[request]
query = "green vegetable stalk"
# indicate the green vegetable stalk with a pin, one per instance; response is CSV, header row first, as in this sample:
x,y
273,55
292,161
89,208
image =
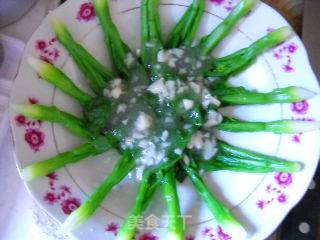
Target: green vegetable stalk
x,y
42,168
148,185
242,59
88,208
241,96
237,152
209,42
97,74
118,50
150,181
224,162
184,32
222,215
151,40
279,127
56,77
54,115
169,186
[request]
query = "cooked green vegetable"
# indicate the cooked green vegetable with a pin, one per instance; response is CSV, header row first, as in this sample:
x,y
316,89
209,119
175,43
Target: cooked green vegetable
x,y
150,181
151,39
118,50
59,79
231,163
148,185
242,96
176,228
40,169
97,74
184,32
88,208
97,113
222,215
210,41
237,152
280,126
242,59
54,115
242,160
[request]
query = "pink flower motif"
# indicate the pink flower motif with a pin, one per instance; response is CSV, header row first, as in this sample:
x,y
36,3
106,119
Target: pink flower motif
x,y
35,138
222,235
284,179
56,54
268,188
190,237
296,139
217,2
282,198
69,205
285,52
229,8
148,236
53,40
308,119
41,45
277,55
21,120
113,228
288,68
52,176
47,52
46,59
86,12
51,198
292,48
206,231
270,29
65,189
33,100
260,204
300,107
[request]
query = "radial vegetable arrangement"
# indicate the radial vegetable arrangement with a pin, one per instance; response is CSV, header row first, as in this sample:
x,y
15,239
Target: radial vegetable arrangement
x,y
159,108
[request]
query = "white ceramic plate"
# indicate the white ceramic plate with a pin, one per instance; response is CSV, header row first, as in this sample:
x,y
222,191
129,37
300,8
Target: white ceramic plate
x,y
259,201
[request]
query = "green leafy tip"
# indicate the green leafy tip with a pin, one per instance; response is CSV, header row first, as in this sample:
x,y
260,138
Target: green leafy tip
x,y
60,28
41,67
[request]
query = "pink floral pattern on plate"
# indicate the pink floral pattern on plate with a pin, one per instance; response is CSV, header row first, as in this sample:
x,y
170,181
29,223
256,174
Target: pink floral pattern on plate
x,y
60,194
211,233
86,12
113,228
191,237
148,236
284,53
226,4
33,136
300,109
276,191
47,50
297,138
